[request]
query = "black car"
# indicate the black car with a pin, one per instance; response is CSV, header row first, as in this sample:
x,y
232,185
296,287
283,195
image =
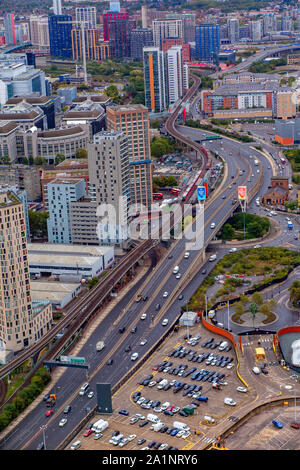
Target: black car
x,y
121,330
133,330
183,413
157,307
143,423
164,429
264,370
46,397
41,446
203,271
115,433
127,349
151,444
145,298
180,297
109,362
67,409
167,387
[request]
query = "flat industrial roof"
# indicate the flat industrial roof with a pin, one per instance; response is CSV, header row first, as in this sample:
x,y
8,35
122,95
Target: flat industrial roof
x,y
52,290
67,250
59,259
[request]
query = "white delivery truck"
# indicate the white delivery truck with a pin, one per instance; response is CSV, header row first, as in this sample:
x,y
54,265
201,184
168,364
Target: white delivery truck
x,y
100,345
162,384
96,424
181,426
102,426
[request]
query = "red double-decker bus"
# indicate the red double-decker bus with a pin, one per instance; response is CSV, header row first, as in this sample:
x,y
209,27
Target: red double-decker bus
x,y
158,196
175,191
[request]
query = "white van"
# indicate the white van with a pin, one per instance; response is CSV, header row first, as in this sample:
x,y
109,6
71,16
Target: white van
x,y
83,389
187,254
75,445
212,257
176,270
181,426
96,424
162,384
152,418
134,356
223,345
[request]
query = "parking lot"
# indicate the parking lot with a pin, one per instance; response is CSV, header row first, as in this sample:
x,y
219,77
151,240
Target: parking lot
x,y
182,364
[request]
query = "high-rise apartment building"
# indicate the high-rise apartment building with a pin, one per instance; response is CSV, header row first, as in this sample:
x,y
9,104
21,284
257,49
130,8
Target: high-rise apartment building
x,y
269,23
155,79
188,25
133,121
174,73
112,16
10,32
109,184
117,28
39,31
57,9
207,37
256,30
60,27
92,45
87,15
233,30
166,28
20,323
140,38
61,192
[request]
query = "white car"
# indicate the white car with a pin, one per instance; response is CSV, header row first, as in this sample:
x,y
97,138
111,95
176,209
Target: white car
x,y
152,383
230,366
163,446
229,401
178,276
165,322
242,389
180,433
165,294
134,356
123,442
144,316
98,435
143,342
62,422
131,437
257,246
91,394
165,405
186,255
232,250
212,225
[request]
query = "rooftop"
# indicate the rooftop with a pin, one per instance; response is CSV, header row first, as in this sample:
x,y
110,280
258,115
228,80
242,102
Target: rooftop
x,y
67,250
63,132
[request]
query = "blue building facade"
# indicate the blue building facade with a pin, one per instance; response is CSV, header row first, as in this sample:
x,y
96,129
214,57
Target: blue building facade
x,y
207,38
60,36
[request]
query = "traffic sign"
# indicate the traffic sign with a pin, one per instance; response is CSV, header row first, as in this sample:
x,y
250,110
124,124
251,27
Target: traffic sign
x,y
201,193
72,359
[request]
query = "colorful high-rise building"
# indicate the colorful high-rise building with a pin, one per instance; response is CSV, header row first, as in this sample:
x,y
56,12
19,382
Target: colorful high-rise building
x,y
207,38
133,121
117,28
155,79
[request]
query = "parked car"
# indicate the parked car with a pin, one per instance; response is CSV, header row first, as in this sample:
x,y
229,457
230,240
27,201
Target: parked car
x,y
229,401
278,424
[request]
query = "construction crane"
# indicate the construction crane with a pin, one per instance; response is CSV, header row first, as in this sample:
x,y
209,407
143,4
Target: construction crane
x,y
82,25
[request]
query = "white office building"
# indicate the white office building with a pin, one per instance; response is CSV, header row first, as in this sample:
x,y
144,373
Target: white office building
x,y
174,73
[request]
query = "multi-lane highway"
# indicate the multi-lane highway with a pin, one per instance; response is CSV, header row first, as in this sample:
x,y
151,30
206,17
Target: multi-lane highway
x,y
28,432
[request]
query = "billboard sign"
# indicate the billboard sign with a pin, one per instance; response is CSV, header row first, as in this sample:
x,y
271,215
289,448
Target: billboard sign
x,y
72,359
201,193
242,193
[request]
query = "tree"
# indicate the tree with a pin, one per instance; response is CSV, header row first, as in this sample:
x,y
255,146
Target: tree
x,y
38,223
253,307
40,161
81,153
295,293
227,232
239,308
60,157
257,298
5,160
92,282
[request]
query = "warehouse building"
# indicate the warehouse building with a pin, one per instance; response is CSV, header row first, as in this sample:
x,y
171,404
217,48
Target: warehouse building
x,y
68,262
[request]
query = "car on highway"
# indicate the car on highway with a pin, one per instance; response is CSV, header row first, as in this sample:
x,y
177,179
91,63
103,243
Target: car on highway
x,y
257,246
178,276
144,316
203,271
224,196
278,424
109,362
67,409
143,342
180,297
49,413
165,322
229,401
62,422
212,225
232,250
134,356
186,254
165,294
127,349
242,389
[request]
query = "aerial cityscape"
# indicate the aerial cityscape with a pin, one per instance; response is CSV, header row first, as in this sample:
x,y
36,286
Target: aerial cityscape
x,y
150,227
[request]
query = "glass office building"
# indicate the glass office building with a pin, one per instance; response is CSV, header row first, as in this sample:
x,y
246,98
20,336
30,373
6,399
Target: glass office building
x,y
60,27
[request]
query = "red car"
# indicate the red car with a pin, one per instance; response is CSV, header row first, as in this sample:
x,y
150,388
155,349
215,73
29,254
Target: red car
x,y
49,413
87,432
